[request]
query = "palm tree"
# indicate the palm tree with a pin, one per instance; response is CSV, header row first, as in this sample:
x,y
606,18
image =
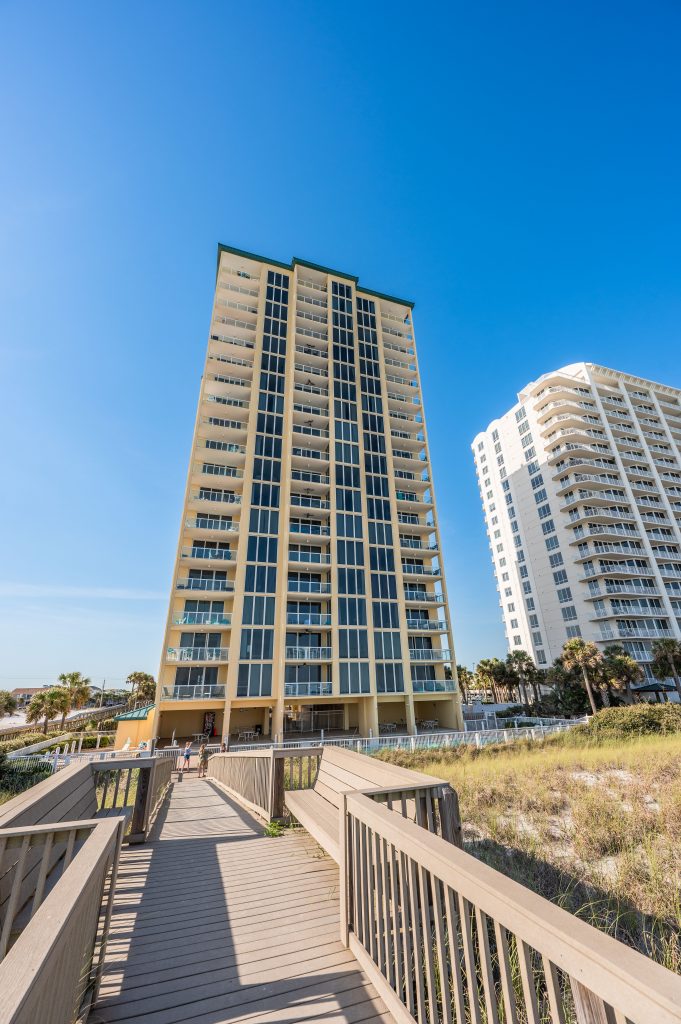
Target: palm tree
x,y
466,678
585,656
44,704
8,703
487,673
143,687
520,665
620,668
667,661
62,701
79,688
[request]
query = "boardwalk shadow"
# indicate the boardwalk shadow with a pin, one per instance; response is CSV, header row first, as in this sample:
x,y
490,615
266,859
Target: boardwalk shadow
x,y
214,922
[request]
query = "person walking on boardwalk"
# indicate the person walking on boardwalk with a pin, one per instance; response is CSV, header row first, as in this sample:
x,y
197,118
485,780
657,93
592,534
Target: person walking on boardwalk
x,y
186,754
203,761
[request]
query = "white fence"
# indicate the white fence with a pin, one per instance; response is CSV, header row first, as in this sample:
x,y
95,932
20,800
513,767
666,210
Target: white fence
x,y
367,745
363,745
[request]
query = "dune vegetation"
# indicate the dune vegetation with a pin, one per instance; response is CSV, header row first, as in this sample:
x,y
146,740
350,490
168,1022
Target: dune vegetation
x,y
590,819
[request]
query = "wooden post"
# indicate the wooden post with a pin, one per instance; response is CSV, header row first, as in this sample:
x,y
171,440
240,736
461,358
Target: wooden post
x,y
276,799
344,871
450,816
139,814
589,1008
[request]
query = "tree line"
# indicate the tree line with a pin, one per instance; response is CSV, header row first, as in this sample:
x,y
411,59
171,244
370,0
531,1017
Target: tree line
x,y
583,677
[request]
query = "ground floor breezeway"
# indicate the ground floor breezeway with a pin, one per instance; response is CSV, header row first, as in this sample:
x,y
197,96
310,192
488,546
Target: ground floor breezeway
x,y
285,719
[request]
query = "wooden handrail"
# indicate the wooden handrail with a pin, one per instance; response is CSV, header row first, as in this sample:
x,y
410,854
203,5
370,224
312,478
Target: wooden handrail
x,y
438,932
52,971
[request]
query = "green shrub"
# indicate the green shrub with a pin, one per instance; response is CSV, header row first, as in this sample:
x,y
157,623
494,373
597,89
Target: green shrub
x,y
25,740
512,712
90,741
639,720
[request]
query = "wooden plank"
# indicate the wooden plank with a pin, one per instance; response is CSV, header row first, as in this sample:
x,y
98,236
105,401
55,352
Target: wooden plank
x,y
239,943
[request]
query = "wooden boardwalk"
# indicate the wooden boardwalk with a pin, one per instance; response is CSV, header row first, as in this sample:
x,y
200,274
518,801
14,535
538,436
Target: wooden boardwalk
x,y
214,922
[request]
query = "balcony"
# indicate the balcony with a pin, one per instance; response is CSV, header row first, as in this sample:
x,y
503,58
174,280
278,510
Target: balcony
x,y
197,584
629,632
217,497
308,654
193,693
305,501
306,477
432,685
202,619
315,689
209,523
420,570
308,587
308,619
310,529
423,655
427,625
220,654
310,557
211,554
418,597
415,544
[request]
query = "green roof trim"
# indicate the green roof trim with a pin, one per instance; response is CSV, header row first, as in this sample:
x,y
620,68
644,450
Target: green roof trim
x,y
136,715
296,261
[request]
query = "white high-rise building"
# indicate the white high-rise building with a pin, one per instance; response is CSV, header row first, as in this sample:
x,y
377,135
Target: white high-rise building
x,y
581,491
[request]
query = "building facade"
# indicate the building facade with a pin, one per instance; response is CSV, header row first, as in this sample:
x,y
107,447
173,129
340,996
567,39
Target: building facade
x,y
581,491
308,590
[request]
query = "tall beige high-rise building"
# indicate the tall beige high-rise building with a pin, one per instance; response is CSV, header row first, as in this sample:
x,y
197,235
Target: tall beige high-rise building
x,y
581,489
308,590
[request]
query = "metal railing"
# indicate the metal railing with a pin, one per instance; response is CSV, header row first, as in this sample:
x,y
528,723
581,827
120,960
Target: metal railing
x,y
197,654
308,653
189,692
202,619
308,619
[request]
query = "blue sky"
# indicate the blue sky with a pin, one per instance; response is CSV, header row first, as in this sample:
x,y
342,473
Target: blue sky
x,y
513,168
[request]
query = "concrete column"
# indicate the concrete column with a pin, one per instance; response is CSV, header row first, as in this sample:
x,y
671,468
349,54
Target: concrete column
x,y
346,717
278,720
409,713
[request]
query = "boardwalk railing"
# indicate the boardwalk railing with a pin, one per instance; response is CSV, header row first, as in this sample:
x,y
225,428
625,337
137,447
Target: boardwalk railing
x,y
424,740
444,938
59,847
257,778
53,968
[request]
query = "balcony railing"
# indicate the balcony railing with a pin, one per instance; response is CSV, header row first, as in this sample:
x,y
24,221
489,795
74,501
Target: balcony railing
x,y
424,655
192,584
303,501
432,685
308,653
314,689
312,529
197,654
207,523
308,619
193,693
414,596
222,554
202,619
308,587
428,625
420,570
223,497
316,557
